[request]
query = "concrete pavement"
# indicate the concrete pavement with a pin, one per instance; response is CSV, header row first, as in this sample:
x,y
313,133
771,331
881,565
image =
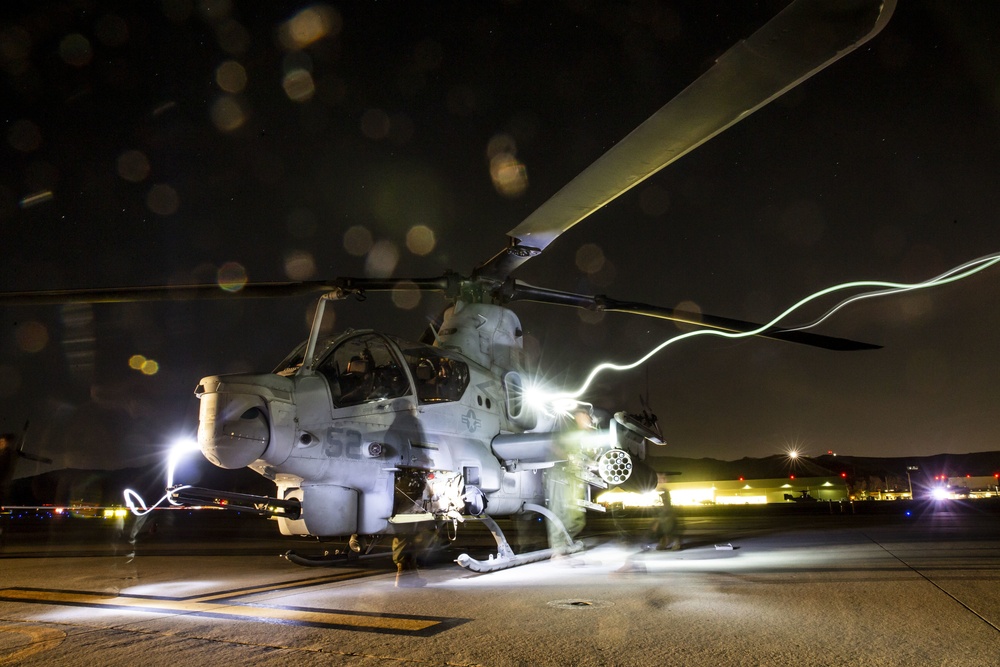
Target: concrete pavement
x,y
804,590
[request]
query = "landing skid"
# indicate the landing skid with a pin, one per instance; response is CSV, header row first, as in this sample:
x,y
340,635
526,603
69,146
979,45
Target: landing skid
x,y
328,559
506,558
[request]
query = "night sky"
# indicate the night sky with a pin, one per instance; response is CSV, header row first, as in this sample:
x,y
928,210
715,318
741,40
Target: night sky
x,y
190,141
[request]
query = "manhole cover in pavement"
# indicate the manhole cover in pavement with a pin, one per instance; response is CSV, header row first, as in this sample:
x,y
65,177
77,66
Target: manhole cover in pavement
x,y
579,604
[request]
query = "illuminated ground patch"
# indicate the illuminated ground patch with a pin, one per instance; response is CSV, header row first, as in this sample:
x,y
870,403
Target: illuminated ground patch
x,y
228,605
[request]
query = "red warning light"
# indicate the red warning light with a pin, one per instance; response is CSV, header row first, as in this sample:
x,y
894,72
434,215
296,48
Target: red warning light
x,y
791,477
741,478
844,475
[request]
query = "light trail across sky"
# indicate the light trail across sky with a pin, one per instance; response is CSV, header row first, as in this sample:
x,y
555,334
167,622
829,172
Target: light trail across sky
x,y
881,288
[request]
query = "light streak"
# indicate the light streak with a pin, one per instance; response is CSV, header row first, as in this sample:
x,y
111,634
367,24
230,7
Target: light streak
x,y
952,275
883,288
179,450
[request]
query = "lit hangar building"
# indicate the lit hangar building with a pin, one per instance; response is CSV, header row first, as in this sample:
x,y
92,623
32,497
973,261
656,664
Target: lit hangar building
x,y
743,482
752,491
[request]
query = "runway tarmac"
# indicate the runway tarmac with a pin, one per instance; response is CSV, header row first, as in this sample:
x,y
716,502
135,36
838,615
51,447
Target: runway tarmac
x,y
796,588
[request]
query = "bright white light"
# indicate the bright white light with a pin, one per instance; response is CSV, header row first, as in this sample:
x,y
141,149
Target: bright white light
x,y
181,448
793,454
939,493
549,403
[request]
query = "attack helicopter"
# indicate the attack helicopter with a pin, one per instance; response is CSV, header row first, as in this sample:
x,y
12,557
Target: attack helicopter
x,y
367,434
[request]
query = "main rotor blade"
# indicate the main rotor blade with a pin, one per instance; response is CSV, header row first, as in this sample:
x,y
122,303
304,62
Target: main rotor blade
x,y
801,40
518,291
158,293
446,283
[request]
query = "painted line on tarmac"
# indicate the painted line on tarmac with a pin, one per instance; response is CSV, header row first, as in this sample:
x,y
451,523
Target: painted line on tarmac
x,y
225,605
233,593
39,640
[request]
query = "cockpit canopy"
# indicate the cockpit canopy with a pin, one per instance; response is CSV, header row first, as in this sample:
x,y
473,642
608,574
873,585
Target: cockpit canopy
x,y
369,366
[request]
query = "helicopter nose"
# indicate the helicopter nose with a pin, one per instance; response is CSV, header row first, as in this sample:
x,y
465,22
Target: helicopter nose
x,y
233,429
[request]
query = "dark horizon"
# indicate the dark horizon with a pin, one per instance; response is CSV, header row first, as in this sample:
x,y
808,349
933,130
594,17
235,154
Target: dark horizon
x,y
105,487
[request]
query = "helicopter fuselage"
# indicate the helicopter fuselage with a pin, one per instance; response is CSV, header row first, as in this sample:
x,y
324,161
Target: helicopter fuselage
x,y
373,433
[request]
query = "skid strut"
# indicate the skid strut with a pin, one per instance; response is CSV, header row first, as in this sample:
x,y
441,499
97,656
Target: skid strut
x,y
505,557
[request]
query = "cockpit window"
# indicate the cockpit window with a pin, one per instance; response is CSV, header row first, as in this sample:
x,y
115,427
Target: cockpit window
x,y
439,378
292,363
363,369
